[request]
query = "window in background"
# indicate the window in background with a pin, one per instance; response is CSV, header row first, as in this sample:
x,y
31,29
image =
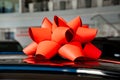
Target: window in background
x,y
9,6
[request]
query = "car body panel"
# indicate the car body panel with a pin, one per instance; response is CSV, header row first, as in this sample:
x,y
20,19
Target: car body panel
x,y
105,68
91,69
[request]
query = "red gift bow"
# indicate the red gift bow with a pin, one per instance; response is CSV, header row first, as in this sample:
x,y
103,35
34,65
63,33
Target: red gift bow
x,y
65,39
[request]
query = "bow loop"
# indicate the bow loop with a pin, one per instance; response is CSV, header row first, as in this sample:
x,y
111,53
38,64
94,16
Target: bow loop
x,y
75,23
46,24
39,34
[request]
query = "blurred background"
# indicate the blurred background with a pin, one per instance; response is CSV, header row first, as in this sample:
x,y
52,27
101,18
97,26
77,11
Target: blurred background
x,y
16,16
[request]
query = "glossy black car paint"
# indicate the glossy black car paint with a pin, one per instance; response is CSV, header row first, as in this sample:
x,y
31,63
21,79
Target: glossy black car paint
x,y
110,47
106,68
99,70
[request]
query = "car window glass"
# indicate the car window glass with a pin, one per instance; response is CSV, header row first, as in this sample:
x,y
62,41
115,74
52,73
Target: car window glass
x,y
10,46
